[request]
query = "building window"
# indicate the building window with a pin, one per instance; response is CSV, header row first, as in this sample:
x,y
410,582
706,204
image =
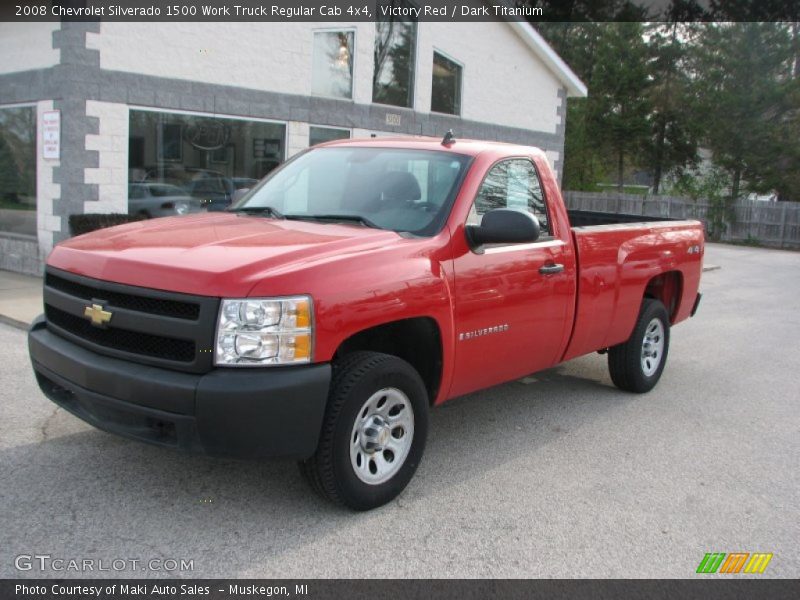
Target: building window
x,y
201,158
318,135
18,169
332,70
393,79
446,88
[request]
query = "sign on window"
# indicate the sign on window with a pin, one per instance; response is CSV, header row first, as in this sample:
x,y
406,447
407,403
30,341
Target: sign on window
x,y
51,134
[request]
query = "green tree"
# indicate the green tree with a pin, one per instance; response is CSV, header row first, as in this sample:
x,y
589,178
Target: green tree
x,y
584,159
619,85
743,74
674,127
609,129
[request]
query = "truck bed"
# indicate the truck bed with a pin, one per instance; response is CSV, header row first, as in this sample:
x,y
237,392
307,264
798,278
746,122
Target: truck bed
x,y
620,262
589,218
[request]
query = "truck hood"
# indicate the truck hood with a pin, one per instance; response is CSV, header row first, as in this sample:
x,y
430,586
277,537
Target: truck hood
x,y
216,254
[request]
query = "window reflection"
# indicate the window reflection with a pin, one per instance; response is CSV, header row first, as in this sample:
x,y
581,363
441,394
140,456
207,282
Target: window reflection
x,y
204,158
318,135
332,70
393,79
18,169
512,184
446,85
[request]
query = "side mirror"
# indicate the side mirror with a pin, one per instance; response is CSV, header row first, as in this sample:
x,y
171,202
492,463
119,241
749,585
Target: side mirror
x,y
504,226
239,194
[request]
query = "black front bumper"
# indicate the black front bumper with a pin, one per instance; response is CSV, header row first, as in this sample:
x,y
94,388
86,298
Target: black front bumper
x,y
233,412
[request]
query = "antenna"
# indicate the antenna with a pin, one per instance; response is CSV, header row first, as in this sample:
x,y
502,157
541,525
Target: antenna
x,y
448,138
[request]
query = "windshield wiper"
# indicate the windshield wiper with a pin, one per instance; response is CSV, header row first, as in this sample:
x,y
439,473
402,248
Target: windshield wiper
x,y
255,210
335,217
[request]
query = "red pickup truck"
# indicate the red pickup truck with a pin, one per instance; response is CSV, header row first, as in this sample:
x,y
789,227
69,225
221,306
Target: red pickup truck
x,y
357,286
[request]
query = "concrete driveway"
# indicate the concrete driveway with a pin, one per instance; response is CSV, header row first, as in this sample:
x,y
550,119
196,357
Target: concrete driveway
x,y
561,476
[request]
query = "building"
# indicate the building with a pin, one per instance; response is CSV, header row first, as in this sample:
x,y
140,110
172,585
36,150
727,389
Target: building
x,y
89,111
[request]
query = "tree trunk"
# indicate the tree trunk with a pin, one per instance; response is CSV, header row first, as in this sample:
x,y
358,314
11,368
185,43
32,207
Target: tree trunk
x,y
737,179
662,120
796,45
662,134
620,169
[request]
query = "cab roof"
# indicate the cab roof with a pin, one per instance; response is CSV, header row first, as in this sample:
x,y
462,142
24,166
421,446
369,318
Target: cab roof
x,y
459,146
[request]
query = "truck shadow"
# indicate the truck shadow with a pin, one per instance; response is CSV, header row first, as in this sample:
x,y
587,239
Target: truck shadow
x,y
93,493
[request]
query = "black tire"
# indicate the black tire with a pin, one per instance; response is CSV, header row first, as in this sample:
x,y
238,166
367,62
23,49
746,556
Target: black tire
x,y
625,361
356,378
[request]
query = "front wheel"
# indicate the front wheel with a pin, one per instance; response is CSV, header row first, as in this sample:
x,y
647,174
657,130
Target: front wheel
x,y
373,434
637,364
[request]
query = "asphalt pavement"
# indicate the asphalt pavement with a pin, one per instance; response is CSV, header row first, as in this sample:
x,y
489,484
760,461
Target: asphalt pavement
x,y
561,475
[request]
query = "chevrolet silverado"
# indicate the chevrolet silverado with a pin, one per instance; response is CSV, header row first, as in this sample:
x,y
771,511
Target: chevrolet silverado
x,y
354,288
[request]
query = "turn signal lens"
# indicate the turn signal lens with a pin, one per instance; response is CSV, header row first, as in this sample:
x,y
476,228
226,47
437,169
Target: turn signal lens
x,y
302,314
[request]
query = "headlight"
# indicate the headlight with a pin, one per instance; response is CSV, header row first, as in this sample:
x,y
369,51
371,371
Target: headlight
x,y
254,332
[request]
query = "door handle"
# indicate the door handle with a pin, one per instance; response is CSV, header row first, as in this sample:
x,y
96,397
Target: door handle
x,y
551,269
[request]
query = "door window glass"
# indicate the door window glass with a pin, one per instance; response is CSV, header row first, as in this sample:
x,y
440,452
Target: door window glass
x,y
512,184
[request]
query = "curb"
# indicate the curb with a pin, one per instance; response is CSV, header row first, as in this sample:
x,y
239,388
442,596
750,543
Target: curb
x,y
14,323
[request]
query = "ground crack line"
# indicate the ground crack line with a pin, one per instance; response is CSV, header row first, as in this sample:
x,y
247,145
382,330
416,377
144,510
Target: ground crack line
x,y
46,424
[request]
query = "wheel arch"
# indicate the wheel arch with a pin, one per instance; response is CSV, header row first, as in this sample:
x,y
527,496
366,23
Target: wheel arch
x,y
666,287
417,340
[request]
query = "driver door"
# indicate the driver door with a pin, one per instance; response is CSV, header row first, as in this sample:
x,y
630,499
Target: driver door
x,y
511,303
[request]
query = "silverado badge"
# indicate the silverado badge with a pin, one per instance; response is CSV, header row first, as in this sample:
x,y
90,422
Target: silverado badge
x,y
97,315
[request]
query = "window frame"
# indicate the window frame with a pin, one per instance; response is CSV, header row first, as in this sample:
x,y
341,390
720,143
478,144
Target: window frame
x,y
547,240
462,66
354,30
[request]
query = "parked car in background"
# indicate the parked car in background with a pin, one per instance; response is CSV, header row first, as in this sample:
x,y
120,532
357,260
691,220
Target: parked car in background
x,y
160,200
215,193
211,188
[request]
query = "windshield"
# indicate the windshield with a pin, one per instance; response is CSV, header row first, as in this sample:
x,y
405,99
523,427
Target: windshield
x,y
389,188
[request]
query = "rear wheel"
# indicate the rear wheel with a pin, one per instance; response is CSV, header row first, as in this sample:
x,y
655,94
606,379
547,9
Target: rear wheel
x,y
637,364
373,434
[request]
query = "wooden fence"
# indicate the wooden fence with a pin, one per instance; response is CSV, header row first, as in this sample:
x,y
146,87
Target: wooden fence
x,y
775,224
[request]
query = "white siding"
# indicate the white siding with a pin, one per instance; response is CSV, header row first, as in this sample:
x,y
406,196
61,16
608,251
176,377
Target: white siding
x,y
264,56
26,46
297,137
504,83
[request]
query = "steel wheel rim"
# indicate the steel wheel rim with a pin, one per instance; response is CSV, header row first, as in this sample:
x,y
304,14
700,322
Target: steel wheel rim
x,y
652,347
382,436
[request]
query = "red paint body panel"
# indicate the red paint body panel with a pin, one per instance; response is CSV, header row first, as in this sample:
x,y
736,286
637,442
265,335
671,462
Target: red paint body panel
x,y
616,264
360,277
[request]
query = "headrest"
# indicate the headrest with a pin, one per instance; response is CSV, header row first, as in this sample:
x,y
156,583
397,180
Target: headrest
x,y
400,185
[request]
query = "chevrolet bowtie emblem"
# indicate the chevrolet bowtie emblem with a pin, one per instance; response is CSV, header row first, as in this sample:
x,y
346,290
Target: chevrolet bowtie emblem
x,y
97,315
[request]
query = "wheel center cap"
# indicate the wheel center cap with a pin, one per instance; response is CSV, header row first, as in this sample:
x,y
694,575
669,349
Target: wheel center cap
x,y
374,434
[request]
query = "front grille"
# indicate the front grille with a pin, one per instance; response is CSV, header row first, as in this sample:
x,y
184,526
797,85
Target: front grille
x,y
155,327
154,306
121,339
